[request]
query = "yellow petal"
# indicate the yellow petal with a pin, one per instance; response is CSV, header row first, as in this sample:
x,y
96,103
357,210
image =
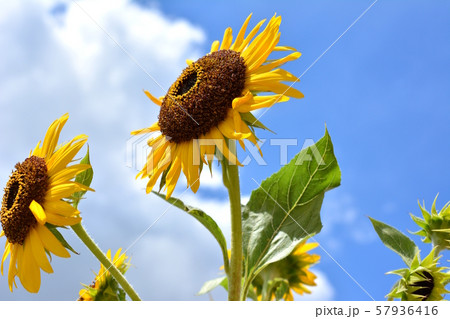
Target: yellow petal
x,y
250,36
240,37
304,247
173,175
207,148
258,102
30,273
263,43
5,255
51,243
153,128
12,271
275,87
66,174
37,150
38,212
227,39
228,129
52,136
152,98
194,168
242,100
65,190
276,75
39,252
63,156
261,55
61,208
222,147
215,46
284,48
161,166
154,158
58,220
117,254
274,64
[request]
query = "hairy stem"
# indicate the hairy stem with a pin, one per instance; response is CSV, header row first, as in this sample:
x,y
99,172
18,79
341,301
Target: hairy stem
x,y
231,181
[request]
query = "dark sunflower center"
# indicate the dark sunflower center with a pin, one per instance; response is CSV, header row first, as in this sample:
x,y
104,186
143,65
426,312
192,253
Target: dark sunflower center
x,y
202,95
12,194
186,83
425,286
28,182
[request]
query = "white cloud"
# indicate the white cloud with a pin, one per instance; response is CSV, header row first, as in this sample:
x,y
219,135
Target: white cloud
x,y
341,215
54,63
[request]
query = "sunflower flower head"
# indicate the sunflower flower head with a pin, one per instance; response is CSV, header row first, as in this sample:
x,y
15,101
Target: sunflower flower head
x,y
37,200
211,103
435,227
279,279
423,281
105,287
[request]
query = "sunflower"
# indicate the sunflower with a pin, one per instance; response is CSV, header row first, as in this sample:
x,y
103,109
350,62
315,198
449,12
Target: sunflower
x,y
291,274
34,205
105,287
422,281
211,102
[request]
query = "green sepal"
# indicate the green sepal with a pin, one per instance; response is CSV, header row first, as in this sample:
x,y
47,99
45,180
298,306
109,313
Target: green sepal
x,y
418,221
281,287
84,178
162,182
425,214
252,121
60,237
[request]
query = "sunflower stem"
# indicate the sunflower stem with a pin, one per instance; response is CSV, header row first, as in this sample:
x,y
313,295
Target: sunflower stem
x,y
231,182
89,242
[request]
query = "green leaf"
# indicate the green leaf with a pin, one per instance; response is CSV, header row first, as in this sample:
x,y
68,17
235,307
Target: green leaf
x,y
206,221
213,284
60,237
396,240
285,209
84,178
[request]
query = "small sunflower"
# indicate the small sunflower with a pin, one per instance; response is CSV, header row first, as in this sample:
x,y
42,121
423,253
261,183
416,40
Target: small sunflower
x,y
423,281
35,201
211,102
281,278
105,287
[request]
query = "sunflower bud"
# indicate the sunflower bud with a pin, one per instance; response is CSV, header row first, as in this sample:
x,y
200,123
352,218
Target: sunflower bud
x,y
105,287
435,226
423,281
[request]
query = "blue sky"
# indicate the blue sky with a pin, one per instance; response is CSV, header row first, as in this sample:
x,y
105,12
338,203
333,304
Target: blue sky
x,y
382,90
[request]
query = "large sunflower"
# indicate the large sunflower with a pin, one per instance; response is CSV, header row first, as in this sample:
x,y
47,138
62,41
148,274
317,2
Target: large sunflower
x,y
291,274
34,203
211,102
